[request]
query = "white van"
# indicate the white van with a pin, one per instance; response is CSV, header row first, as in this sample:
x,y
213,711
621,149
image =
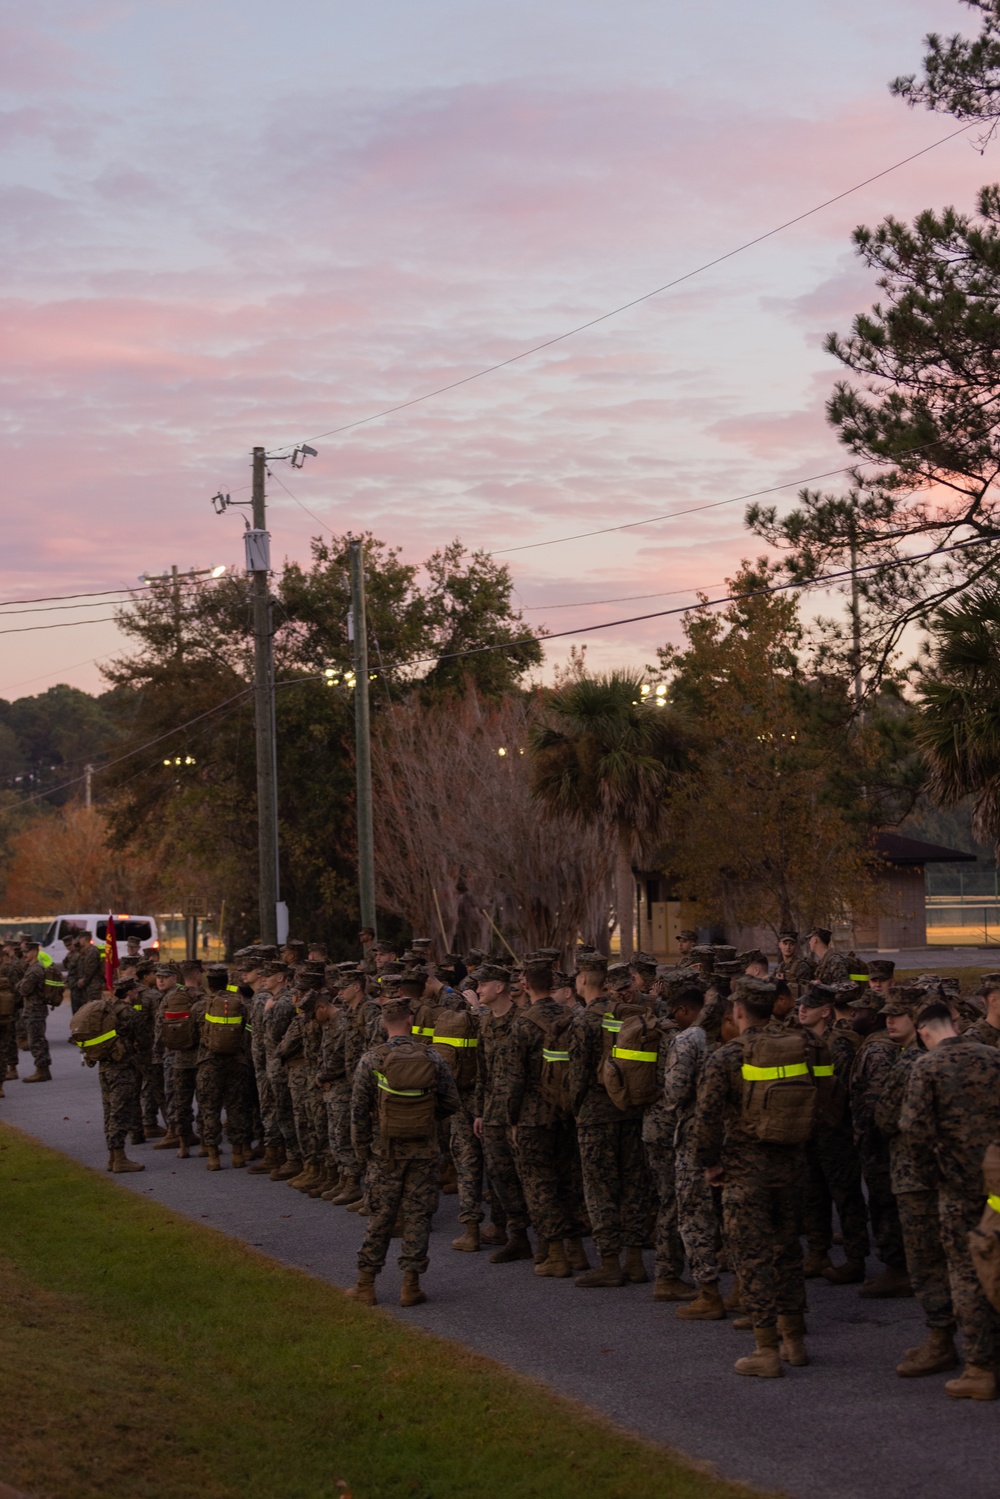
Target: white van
x,y
53,940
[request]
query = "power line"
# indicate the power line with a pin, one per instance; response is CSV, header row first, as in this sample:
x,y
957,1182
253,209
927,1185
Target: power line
x,y
603,317
99,593
626,598
59,624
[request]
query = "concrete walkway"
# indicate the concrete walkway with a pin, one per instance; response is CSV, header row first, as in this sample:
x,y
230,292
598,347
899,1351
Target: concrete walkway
x,y
845,1428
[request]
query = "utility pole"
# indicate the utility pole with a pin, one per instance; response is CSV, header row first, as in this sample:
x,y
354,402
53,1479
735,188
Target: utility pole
x,y
258,559
88,777
358,629
856,623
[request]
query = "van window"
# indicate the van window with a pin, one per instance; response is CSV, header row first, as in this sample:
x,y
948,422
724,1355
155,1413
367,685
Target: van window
x,y
126,929
49,935
69,929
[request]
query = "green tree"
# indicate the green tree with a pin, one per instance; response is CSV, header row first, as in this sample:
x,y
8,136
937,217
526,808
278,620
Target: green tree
x,y
604,756
961,75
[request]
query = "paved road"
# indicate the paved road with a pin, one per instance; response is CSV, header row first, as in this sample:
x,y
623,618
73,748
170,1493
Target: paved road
x,y
845,1428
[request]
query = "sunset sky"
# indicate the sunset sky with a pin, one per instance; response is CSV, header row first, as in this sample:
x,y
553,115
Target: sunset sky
x,y
226,224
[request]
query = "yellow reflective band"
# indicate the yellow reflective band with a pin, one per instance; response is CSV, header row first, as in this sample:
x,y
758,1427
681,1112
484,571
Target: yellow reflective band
x,y
54,983
609,1023
224,1019
858,978
768,1074
108,1036
137,1007
399,1092
454,1040
823,1071
555,1056
994,1203
634,1056
232,988
421,1030
44,959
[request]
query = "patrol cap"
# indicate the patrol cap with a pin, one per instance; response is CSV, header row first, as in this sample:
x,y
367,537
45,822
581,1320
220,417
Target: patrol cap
x,y
823,933
731,970
384,945
904,999
752,955
307,979
397,1009
589,961
561,979
348,974
685,994
270,970
472,958
758,990
620,976
412,978
307,1001
814,996
420,941
165,971
643,962
491,973
687,935
788,936
881,969
123,987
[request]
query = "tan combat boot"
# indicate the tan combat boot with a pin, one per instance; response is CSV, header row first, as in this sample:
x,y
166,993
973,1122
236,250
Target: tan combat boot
x,y
635,1270
320,1185
816,1263
154,1131
121,1162
288,1170
706,1307
469,1240
213,1163
608,1273
555,1263
240,1156
974,1383
734,1301
791,1332
364,1291
850,1273
492,1234
11,1075
933,1356
672,1288
169,1141
305,1178
350,1191
517,1247
271,1161
891,1283
765,1363
336,1182
183,1150
40,1075
576,1256
411,1294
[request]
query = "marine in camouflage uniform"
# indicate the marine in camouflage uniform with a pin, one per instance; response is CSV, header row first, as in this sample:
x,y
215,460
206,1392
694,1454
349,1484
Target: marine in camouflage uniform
x,y
152,1100
71,972
793,968
119,1079
615,1181
917,1203
466,1146
10,976
35,997
659,1132
402,1174
89,973
875,1060
332,1078
697,1211
760,1188
180,1065
362,1026
951,1113
496,1031
221,1078
278,1014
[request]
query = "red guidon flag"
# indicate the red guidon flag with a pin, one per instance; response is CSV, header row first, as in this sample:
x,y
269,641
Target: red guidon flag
x,y
110,954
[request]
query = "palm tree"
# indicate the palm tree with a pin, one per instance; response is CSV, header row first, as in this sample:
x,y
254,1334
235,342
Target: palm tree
x,y
604,755
959,726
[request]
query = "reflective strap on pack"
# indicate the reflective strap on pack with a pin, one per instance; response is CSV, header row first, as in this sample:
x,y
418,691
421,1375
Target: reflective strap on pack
x,y
108,1036
609,1023
633,1056
224,1019
858,978
422,1030
555,1056
769,1074
177,1014
398,1092
823,1071
455,1040
44,959
232,988
54,983
137,1007
994,1203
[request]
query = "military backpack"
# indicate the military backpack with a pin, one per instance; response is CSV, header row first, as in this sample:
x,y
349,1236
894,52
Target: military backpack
x,y
94,1030
178,1031
456,1039
628,1072
780,1096
984,1240
8,998
222,1030
406,1076
553,1075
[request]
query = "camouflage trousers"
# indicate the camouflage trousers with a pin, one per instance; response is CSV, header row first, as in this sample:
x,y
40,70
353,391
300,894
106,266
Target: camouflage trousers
x,y
833,1179
467,1153
697,1216
547,1156
222,1084
338,1126
36,1013
760,1222
979,1323
615,1183
283,1113
669,1249
8,1047
183,1081
120,1085
882,1210
402,1185
152,1101
309,1114
919,1217
506,1191
270,1130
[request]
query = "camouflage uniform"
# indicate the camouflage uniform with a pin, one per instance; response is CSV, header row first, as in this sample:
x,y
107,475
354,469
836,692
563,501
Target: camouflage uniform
x,y
546,1144
221,1081
298,1076
9,977
36,1009
181,1066
277,1019
659,1131
71,972
402,1174
89,976
610,1142
951,1113
875,1060
697,1214
832,968
362,1026
336,1085
984,1033
272,1136
919,1212
499,1152
833,1168
466,1148
759,1190
152,1100
119,1079
795,972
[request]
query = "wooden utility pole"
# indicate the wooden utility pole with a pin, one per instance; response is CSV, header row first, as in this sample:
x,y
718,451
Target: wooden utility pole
x,y
362,730
258,558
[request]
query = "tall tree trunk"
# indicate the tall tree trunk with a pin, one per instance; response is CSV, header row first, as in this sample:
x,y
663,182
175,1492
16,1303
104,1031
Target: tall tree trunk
x,y
625,897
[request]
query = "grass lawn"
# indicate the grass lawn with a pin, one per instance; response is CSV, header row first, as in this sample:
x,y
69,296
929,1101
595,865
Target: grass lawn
x,y
146,1357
